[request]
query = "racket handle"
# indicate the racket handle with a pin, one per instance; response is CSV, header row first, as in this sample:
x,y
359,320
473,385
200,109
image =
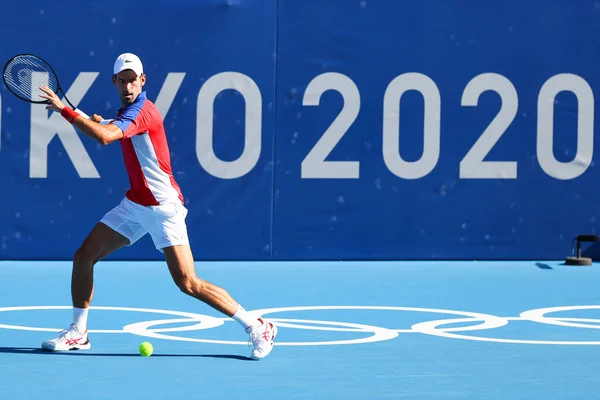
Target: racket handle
x,y
84,115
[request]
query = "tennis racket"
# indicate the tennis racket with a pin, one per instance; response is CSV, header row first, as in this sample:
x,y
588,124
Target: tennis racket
x,y
24,74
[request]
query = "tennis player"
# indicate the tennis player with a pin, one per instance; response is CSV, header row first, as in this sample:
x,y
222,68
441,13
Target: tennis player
x,y
153,204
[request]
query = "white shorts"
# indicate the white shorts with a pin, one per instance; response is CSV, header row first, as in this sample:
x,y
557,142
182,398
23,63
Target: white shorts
x,y
165,223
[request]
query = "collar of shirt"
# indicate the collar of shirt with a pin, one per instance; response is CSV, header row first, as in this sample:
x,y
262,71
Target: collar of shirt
x,y
141,97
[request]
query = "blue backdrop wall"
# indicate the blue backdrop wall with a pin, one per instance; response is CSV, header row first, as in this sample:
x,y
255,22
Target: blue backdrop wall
x,y
337,129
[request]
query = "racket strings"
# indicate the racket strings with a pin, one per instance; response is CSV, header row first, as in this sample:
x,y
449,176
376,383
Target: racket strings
x,y
25,74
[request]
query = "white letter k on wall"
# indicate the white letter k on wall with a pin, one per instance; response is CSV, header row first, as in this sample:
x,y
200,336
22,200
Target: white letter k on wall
x,y
44,128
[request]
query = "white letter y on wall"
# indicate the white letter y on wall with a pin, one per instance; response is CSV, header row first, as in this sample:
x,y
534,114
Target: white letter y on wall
x,y
167,93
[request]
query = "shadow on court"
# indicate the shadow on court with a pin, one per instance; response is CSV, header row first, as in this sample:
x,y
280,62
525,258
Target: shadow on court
x,y
543,265
34,350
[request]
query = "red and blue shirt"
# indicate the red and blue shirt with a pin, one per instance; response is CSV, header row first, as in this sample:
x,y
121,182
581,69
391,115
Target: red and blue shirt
x,y
146,154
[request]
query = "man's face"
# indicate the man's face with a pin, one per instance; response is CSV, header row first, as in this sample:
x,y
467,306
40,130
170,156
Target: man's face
x,y
129,85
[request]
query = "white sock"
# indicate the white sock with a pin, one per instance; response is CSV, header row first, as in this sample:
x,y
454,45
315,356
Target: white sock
x,y
244,318
80,318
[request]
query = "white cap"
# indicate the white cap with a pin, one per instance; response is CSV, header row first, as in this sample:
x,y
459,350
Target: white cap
x,y
128,61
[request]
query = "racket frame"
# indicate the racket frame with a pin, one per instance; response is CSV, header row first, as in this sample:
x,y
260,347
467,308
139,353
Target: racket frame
x,y
58,86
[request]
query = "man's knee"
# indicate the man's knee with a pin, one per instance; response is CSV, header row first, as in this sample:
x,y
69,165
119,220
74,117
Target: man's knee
x,y
83,257
189,284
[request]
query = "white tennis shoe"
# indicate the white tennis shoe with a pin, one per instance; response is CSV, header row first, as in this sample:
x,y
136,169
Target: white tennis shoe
x,y
262,337
68,339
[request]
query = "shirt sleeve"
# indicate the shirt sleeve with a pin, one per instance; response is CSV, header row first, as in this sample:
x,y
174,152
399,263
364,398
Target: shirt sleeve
x,y
132,122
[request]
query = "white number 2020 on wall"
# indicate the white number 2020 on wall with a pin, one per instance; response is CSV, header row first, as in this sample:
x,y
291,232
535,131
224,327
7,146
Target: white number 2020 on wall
x,y
472,165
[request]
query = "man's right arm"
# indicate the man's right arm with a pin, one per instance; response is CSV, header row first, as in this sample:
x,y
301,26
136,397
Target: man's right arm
x,y
103,134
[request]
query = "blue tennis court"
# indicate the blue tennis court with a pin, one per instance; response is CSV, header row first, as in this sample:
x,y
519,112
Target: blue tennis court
x,y
411,330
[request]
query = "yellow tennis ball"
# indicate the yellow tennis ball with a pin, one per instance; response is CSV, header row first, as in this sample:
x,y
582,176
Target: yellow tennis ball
x,y
146,349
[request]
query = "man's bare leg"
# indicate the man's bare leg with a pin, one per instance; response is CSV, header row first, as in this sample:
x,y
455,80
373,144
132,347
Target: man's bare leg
x,y
181,266
101,242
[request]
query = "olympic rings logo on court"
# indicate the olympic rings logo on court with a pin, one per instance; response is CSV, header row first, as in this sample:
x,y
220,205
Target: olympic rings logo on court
x,y
201,322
